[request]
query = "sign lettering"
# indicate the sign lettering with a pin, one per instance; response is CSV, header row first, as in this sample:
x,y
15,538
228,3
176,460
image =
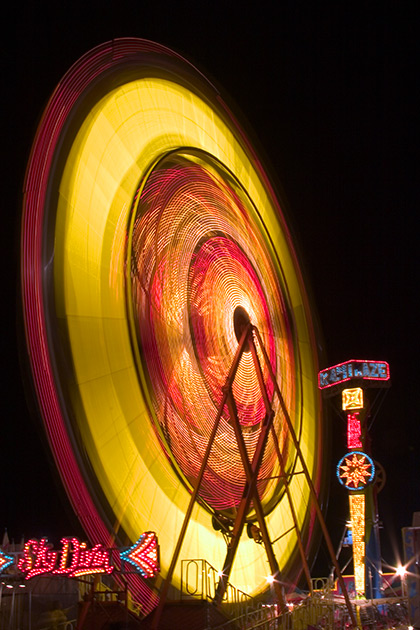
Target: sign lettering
x,y
367,370
75,559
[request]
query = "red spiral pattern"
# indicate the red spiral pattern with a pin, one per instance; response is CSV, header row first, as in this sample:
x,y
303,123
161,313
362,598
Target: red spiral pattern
x,y
198,254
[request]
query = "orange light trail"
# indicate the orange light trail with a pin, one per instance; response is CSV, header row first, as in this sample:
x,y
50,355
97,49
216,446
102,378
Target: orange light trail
x,y
132,105
205,259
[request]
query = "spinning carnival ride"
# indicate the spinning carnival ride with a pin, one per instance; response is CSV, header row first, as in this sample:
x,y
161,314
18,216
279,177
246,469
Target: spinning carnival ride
x,y
151,240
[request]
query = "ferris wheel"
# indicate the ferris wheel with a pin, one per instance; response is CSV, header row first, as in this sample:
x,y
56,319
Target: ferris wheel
x,y
153,246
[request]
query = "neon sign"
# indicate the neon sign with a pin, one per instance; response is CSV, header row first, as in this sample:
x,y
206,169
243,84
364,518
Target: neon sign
x,y
354,431
355,470
144,555
352,398
75,559
357,514
366,370
5,561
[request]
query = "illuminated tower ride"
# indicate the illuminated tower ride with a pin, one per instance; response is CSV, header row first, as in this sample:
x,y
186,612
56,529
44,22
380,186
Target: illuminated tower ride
x,y
151,241
356,470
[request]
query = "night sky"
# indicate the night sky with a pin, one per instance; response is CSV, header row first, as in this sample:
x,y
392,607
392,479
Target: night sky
x,y
328,94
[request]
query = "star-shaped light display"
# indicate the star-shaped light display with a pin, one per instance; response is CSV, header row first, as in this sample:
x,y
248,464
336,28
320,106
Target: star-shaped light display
x,y
144,555
355,470
5,561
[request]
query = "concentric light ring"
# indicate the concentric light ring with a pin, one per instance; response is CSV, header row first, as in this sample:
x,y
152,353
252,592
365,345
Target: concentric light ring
x,y
196,257
118,112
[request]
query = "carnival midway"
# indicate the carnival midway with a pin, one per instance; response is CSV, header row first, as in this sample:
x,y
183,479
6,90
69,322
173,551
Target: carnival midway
x,y
35,577
174,359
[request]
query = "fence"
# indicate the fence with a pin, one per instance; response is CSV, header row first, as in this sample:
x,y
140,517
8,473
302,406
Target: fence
x,y
323,610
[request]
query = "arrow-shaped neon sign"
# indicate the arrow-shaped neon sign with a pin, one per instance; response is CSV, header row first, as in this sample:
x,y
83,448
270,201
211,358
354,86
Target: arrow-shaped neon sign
x,y
5,561
144,555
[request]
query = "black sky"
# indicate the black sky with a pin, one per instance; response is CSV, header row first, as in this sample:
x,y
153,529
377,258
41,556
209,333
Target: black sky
x,y
328,92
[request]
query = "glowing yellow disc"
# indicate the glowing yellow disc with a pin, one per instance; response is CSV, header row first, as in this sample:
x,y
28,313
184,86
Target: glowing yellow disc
x,y
139,104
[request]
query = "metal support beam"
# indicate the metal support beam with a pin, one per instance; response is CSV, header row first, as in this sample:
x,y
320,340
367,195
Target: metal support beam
x,y
229,380
309,481
251,491
293,512
243,508
267,403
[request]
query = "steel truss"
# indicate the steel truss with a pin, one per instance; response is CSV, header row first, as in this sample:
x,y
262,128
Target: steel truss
x,y
250,492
